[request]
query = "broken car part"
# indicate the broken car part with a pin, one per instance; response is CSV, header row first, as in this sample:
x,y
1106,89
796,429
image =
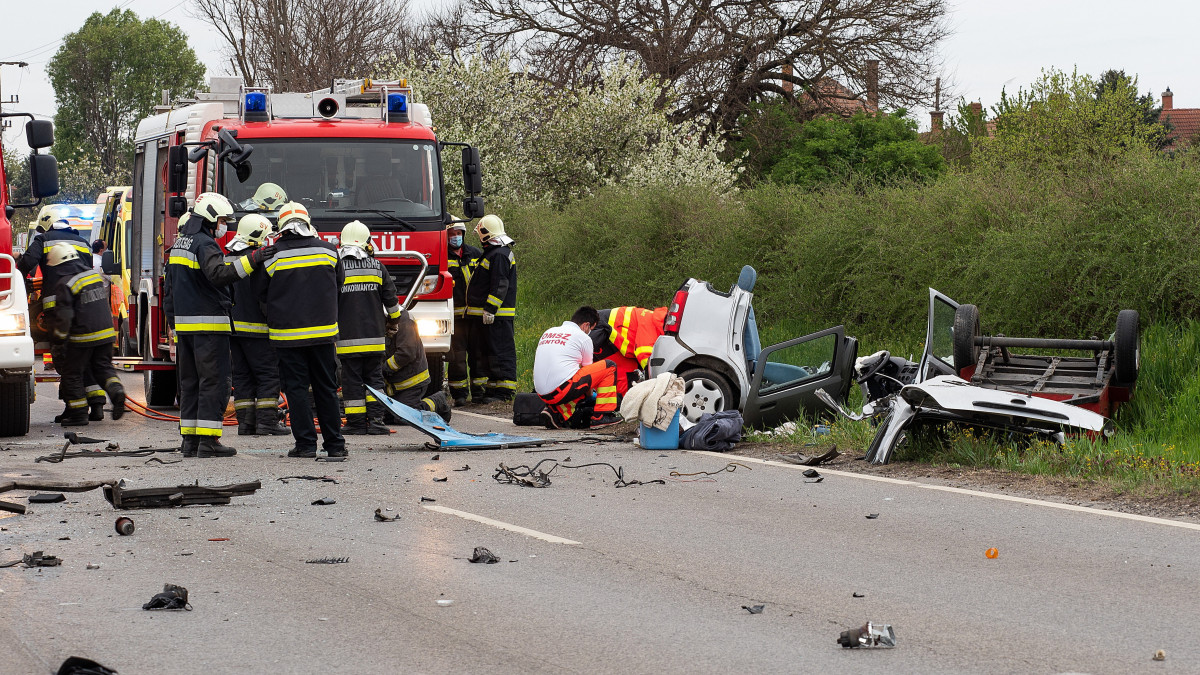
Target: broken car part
x,y
35,559
531,477
812,460
482,555
172,597
184,495
47,498
328,561
324,502
324,479
385,519
868,635
446,437
124,526
77,665
754,609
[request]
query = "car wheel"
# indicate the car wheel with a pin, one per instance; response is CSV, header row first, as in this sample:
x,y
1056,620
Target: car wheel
x,y
1127,350
966,329
705,391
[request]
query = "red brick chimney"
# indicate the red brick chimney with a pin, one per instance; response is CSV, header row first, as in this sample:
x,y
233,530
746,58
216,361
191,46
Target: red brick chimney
x,y
1168,99
873,84
787,84
977,108
935,119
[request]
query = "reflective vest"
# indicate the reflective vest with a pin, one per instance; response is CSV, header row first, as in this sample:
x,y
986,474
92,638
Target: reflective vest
x,y
248,318
301,292
367,295
82,316
196,275
634,331
461,265
493,285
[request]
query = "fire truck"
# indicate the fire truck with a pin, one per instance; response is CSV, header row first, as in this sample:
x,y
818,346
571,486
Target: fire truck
x,y
359,150
16,342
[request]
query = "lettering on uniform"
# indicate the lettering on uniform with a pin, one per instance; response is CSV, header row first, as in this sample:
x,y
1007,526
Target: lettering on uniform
x,y
354,288
554,339
94,294
183,242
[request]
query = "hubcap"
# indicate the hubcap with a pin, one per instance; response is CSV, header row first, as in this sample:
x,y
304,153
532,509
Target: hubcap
x,y
700,397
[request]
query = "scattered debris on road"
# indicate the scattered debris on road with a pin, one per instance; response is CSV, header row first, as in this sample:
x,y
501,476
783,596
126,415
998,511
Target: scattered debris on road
x,y
812,460
324,479
172,597
11,507
441,480
1160,655
428,499
35,559
992,553
730,468
93,566
327,561
124,526
868,635
527,476
444,602
812,473
754,609
324,501
77,665
872,516
482,555
466,467
445,436
385,519
435,458
184,495
47,498
856,594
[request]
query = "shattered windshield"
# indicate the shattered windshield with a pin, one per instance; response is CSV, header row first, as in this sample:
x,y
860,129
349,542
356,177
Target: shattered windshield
x,y
342,179
942,346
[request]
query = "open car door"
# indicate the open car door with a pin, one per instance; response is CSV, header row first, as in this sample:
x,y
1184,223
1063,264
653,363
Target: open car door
x,y
938,358
787,376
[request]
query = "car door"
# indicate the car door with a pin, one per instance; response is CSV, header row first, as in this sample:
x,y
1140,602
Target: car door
x,y
938,358
787,376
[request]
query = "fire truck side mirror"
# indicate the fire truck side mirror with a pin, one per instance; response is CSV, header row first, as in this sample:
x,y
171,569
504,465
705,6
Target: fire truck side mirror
x,y
108,262
176,206
43,175
39,134
177,168
473,207
472,175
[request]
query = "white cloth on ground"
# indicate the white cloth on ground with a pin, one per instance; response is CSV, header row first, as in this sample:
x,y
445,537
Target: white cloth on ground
x,y
654,402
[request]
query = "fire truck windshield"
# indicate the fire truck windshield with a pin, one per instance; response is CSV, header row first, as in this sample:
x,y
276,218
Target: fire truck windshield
x,y
381,182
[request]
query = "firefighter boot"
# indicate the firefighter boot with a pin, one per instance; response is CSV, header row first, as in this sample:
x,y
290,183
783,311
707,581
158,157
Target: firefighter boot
x,y
189,445
356,425
245,418
75,417
116,394
96,408
59,417
210,446
269,423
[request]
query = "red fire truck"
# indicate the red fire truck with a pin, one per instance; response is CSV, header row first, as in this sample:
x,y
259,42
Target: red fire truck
x,y
360,150
16,343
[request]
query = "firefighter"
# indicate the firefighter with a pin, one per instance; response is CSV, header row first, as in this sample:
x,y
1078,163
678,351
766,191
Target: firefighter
x,y
255,366
407,370
47,232
198,308
564,373
301,299
268,197
82,323
460,259
367,300
491,307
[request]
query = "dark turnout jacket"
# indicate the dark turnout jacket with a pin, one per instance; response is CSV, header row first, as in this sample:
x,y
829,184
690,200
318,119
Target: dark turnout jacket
x,y
493,285
367,298
300,295
197,273
82,315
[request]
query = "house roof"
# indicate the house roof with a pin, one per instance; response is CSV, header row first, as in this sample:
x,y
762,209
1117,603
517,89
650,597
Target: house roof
x,y
834,97
1186,122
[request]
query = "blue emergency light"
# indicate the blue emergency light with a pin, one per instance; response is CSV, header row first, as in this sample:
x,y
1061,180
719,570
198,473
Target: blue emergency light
x,y
254,107
397,108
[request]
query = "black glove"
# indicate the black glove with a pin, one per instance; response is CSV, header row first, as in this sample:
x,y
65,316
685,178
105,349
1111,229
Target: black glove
x,y
393,326
262,254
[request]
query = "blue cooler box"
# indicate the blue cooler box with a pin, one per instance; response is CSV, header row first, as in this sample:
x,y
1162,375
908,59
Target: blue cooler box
x,y
658,439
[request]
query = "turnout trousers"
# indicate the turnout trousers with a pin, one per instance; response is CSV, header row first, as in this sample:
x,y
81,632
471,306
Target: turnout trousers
x,y
203,364
255,375
75,363
91,380
599,377
495,350
299,367
456,361
357,371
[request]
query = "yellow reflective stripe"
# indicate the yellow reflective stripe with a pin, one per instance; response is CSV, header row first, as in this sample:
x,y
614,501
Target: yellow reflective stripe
x,y
303,333
460,311
413,381
91,337
198,327
77,403
503,384
359,349
178,260
363,280
356,410
507,311
240,403
249,327
48,303
88,279
313,260
485,264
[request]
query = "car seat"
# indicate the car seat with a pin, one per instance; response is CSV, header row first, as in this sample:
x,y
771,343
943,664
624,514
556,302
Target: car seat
x,y
751,345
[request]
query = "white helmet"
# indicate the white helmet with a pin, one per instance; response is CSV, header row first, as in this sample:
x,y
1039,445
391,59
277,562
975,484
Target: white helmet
x,y
61,253
269,196
252,229
457,224
212,205
355,233
293,216
45,217
491,227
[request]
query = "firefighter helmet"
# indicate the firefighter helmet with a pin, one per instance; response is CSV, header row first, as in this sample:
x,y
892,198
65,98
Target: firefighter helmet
x,y
61,253
269,196
355,233
293,216
491,227
212,206
45,217
252,228
457,225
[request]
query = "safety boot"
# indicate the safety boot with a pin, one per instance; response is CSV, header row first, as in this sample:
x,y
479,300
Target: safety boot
x,y
75,417
605,420
356,425
210,446
96,409
116,393
189,445
269,423
245,418
59,417
304,453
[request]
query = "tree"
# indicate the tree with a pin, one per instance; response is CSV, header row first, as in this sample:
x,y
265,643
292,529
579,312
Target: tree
x,y
1064,119
302,45
1118,82
719,56
108,75
876,147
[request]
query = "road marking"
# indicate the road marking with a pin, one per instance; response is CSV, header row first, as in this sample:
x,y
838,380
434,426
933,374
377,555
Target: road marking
x,y
502,525
482,417
964,491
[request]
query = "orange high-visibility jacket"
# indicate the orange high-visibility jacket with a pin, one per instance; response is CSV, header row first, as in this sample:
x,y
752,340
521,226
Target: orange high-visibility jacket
x,y
634,331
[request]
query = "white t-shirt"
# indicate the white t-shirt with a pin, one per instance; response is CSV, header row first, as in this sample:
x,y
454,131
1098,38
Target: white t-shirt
x,y
561,352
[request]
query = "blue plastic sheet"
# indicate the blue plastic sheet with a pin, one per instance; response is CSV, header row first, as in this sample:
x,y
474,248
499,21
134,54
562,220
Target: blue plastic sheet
x,y
431,424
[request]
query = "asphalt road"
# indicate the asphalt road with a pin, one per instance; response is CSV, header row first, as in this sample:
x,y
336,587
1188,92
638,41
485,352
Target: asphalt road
x,y
653,579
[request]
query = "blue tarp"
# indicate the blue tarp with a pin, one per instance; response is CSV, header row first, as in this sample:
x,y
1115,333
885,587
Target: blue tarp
x,y
431,424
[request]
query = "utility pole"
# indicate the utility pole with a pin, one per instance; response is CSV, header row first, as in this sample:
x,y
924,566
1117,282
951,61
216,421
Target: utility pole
x,y
19,64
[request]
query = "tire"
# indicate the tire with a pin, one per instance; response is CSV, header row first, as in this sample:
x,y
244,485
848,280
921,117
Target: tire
x,y
14,408
1127,351
966,329
706,391
160,388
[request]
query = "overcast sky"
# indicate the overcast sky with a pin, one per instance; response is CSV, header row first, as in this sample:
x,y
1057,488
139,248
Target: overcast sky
x,y
995,44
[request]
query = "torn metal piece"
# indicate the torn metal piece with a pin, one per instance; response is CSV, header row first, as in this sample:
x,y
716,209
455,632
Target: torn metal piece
x,y
868,635
811,460
325,479
77,665
428,499
328,561
183,495
754,609
466,467
441,480
482,555
385,519
446,437
872,516
47,498
11,507
172,597
75,438
325,501
39,559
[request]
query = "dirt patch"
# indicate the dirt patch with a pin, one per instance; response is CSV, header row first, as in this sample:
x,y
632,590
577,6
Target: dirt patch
x,y
1157,501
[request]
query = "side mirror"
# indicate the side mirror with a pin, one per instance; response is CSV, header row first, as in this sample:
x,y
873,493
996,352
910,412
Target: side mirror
x,y
108,262
43,175
39,134
177,168
176,206
473,207
472,175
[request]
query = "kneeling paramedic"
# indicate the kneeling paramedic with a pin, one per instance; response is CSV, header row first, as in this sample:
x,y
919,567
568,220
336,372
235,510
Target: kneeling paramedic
x,y
198,308
304,276
82,322
367,300
255,365
408,370
564,373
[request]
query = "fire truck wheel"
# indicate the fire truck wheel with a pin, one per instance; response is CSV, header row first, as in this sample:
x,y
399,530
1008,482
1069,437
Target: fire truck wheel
x,y
14,408
966,329
160,388
1127,352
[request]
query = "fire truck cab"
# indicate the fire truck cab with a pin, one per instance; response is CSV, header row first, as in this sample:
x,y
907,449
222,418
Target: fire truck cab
x,y
360,150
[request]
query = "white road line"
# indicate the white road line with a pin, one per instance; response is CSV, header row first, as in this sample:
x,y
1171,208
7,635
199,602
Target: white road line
x,y
963,491
482,417
502,525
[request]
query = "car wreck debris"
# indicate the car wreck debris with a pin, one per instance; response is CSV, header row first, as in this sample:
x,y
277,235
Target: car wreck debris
x,y
385,519
328,561
482,555
35,559
324,502
172,597
446,437
991,553
868,635
323,479
730,468
77,665
47,498
811,460
184,495
754,609
124,526
526,476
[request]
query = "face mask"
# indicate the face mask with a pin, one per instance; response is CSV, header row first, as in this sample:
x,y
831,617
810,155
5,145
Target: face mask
x,y
222,228
456,241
